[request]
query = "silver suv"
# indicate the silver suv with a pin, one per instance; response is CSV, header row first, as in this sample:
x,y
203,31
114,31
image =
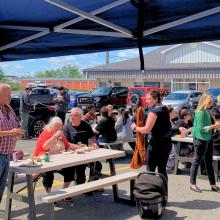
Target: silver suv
x,y
181,99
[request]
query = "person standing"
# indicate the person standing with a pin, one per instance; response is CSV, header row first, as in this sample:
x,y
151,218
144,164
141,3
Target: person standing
x,y
25,109
203,144
158,124
9,130
61,100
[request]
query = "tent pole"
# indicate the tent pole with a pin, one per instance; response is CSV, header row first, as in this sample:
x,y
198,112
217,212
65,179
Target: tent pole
x,y
139,30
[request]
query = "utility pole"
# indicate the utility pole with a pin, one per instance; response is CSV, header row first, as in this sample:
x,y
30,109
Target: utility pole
x,y
107,57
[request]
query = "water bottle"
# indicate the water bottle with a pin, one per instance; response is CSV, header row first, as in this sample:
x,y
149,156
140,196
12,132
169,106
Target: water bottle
x,y
47,157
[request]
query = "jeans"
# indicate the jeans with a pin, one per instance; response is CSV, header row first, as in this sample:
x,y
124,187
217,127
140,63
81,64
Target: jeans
x,y
24,123
157,154
4,166
203,150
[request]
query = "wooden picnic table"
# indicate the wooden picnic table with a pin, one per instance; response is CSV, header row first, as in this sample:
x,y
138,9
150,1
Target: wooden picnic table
x,y
57,162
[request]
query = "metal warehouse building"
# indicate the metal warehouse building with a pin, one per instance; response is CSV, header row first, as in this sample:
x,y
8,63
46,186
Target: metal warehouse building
x,y
176,67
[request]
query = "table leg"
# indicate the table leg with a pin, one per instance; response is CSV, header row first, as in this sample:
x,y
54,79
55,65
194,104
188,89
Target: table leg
x,y
30,191
8,197
178,147
113,173
215,167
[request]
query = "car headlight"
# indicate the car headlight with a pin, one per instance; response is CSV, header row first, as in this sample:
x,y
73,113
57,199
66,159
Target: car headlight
x,y
97,99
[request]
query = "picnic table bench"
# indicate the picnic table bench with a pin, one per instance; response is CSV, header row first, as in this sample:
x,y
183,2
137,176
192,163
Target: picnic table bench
x,y
58,195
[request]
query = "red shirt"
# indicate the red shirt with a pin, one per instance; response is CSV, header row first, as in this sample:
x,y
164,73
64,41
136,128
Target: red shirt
x,y
44,136
8,121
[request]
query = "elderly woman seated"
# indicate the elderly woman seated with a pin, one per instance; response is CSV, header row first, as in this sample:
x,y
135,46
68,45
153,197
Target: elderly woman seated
x,y
52,140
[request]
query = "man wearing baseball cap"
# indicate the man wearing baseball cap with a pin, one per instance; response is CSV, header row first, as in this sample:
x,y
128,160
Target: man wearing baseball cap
x,y
61,100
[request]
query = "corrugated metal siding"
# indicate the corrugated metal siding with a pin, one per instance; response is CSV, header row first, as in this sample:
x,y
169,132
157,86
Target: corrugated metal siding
x,y
161,74
194,53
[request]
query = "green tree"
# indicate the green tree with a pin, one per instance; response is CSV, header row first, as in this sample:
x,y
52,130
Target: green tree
x,y
67,71
1,74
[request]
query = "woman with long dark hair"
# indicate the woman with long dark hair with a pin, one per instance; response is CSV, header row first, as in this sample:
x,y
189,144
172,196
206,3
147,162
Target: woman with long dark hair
x,y
158,124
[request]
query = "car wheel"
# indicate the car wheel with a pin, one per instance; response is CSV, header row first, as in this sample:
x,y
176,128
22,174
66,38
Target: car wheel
x,y
134,100
37,127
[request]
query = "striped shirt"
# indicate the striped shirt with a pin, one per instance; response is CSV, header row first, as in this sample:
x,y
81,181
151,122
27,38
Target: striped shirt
x,y
8,121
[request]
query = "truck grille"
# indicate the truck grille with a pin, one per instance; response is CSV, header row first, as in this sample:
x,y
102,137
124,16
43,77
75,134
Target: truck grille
x,y
85,100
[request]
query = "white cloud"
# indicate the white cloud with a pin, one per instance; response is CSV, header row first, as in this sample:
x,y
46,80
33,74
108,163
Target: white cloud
x,y
19,66
69,58
127,53
4,65
31,60
54,59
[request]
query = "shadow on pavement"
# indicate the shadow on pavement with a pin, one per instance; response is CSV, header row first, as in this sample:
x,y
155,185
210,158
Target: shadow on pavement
x,y
99,206
196,204
170,214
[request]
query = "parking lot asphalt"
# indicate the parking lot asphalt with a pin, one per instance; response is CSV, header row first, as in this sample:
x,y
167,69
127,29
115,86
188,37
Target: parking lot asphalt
x,y
183,203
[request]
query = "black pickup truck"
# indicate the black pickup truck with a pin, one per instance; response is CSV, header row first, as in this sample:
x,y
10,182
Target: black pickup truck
x,y
114,95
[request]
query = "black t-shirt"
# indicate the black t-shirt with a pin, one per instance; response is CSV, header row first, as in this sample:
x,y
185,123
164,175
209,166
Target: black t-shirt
x,y
181,123
81,133
162,126
106,128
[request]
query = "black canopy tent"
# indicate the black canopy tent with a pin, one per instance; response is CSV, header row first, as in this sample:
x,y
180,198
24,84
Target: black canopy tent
x,y
45,28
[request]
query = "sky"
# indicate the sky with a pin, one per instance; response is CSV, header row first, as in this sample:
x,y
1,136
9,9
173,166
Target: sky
x,y
31,67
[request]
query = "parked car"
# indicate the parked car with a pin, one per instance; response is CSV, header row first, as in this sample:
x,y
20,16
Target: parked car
x,y
215,92
42,95
137,95
73,98
102,96
39,115
182,99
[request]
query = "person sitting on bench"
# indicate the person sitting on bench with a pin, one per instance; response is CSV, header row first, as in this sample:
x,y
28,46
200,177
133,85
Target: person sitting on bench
x,y
105,128
52,140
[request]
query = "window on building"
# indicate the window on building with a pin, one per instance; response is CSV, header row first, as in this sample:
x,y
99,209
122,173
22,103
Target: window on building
x,y
117,84
138,84
151,84
102,84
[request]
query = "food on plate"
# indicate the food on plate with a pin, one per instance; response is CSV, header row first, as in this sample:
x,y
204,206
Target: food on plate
x,y
31,163
68,152
79,151
86,149
36,158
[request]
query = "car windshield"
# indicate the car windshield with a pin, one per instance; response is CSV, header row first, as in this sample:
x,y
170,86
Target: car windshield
x,y
214,92
177,96
137,91
72,95
101,91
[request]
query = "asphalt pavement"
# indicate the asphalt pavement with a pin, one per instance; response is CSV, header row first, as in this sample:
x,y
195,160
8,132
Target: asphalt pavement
x,y
183,203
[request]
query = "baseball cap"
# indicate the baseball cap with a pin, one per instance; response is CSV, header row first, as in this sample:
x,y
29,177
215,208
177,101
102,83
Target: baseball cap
x,y
61,88
28,88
